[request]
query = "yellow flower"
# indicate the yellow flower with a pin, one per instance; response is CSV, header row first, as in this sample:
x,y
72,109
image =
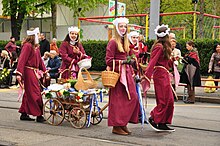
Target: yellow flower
x,y
80,94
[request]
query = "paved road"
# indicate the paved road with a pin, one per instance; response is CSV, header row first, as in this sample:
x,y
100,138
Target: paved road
x,y
197,125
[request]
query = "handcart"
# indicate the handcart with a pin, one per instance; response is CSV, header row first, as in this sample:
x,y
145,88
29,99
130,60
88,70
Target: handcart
x,y
78,112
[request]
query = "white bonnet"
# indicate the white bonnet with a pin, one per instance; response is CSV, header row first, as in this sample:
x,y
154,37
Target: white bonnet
x,y
75,29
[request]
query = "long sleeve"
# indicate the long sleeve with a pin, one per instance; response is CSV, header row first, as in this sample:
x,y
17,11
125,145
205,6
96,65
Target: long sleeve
x,y
211,62
8,46
110,52
57,65
23,58
64,54
155,54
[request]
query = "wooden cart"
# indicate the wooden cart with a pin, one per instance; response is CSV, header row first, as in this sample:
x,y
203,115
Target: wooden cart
x,y
77,113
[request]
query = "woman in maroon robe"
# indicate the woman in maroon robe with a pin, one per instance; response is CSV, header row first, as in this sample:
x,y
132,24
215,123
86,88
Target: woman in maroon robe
x,y
11,46
123,99
29,64
71,51
159,65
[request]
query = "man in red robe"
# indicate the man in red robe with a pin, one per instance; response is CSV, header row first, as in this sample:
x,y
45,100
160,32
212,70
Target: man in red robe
x,y
29,64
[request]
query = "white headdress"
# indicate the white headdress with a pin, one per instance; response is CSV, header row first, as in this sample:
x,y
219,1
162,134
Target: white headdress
x,y
133,33
35,32
120,20
76,29
162,34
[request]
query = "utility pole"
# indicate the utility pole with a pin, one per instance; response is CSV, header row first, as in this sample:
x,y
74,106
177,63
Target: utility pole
x,y
201,19
154,17
116,8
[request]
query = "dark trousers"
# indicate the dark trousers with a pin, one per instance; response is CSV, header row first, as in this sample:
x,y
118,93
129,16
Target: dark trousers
x,y
217,76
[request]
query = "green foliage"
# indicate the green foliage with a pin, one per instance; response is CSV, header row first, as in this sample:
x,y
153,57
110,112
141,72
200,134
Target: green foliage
x,y
4,75
97,50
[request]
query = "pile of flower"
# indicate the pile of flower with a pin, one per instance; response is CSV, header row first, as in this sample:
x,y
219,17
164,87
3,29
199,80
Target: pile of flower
x,y
64,91
3,75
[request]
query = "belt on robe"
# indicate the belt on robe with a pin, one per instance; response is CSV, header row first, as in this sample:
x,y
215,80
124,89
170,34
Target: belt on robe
x,y
29,67
162,68
35,72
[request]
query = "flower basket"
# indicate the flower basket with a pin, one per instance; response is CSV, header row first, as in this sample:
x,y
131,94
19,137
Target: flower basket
x,y
110,78
84,84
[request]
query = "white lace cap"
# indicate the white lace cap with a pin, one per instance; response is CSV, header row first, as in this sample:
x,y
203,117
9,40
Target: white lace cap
x,y
162,34
76,29
120,20
133,33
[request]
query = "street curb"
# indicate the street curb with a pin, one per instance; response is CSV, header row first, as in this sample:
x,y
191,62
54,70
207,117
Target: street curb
x,y
198,98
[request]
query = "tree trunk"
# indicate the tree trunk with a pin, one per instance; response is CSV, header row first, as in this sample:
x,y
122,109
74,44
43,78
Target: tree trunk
x,y
54,17
16,18
13,6
201,19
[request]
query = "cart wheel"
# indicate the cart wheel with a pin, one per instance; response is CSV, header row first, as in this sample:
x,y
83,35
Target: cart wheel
x,y
77,117
54,112
96,117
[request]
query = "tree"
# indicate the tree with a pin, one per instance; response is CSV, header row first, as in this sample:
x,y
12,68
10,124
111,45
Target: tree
x,y
79,7
18,10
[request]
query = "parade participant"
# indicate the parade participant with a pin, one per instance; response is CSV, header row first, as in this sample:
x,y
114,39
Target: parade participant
x,y
71,52
191,71
11,46
159,65
143,45
29,64
123,99
214,64
134,47
137,49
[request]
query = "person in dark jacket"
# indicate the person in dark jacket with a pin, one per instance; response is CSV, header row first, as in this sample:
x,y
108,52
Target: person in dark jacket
x,y
44,44
191,71
53,64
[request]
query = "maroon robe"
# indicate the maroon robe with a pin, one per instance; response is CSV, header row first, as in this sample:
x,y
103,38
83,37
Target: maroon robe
x,y
69,58
121,109
10,47
32,102
158,66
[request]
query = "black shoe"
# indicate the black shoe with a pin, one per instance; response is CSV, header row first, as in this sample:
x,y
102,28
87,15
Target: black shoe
x,y
164,127
25,117
153,124
189,102
40,119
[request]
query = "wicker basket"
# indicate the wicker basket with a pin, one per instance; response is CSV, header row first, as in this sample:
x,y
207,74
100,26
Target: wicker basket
x,y
143,66
84,84
85,63
110,78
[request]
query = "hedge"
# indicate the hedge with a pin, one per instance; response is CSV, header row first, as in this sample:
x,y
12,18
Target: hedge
x,y
96,49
